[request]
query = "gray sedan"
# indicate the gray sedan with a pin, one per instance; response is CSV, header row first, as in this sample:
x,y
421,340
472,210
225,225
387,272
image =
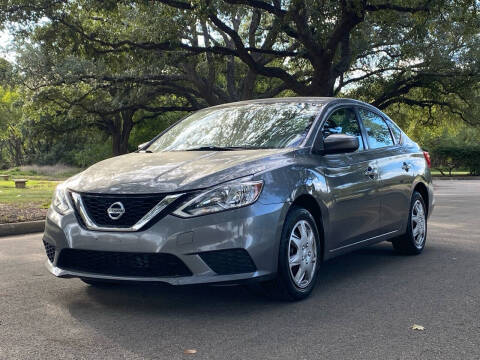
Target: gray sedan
x,y
259,191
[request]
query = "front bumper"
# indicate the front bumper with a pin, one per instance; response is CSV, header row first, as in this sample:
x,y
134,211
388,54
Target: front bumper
x,y
255,228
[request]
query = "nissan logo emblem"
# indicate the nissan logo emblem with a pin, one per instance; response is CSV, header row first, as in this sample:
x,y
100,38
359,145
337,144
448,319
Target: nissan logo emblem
x,y
116,210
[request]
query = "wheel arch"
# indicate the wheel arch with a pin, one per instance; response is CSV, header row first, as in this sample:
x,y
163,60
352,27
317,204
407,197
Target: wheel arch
x,y
422,189
308,202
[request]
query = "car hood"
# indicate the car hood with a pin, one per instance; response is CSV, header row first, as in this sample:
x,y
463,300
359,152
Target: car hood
x,y
174,171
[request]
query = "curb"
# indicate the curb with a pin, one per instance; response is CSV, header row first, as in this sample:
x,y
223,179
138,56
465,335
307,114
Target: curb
x,y
22,228
456,177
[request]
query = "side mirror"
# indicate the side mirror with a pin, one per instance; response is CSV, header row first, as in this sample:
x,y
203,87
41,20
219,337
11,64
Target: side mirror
x,y
340,143
141,146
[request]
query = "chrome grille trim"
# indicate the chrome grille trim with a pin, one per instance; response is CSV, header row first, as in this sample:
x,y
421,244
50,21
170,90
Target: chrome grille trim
x,y
90,224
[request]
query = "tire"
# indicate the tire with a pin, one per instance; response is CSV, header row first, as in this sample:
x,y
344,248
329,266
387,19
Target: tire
x,y
413,241
284,286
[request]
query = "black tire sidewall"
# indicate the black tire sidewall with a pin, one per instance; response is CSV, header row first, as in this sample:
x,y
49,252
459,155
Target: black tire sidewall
x,y
294,215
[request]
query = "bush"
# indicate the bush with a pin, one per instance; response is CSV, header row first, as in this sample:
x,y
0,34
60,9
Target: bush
x,y
57,170
92,154
446,158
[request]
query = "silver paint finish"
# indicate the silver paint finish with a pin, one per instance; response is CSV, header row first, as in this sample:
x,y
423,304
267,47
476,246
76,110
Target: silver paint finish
x,y
239,228
363,198
175,171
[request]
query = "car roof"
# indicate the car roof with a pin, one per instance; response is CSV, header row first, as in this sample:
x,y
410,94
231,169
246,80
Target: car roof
x,y
297,99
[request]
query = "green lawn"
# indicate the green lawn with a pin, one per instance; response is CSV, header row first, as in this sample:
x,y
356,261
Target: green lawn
x,y
30,204
26,204
454,173
37,191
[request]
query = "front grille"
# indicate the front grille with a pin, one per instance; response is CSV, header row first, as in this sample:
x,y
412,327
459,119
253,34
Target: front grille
x,y
49,250
232,261
122,263
136,207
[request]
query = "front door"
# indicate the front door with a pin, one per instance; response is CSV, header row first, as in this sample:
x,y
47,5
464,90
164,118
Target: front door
x,y
354,213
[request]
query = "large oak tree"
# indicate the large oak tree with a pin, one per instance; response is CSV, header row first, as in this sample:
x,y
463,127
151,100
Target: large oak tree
x,y
189,54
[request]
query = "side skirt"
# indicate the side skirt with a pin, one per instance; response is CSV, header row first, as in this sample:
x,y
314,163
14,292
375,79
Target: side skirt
x,y
362,243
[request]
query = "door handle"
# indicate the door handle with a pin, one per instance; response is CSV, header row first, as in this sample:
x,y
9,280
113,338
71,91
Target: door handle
x,y
371,172
405,167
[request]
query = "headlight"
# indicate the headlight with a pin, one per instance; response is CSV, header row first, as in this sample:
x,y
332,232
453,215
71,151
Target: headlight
x,y
224,197
60,201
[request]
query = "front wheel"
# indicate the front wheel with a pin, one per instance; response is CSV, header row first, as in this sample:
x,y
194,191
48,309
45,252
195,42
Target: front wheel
x,y
299,257
413,241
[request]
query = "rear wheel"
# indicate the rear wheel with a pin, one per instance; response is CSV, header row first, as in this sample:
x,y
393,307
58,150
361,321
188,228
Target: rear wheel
x,y
413,241
299,257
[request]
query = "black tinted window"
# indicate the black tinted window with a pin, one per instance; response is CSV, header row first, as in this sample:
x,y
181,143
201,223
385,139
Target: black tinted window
x,y
378,134
343,121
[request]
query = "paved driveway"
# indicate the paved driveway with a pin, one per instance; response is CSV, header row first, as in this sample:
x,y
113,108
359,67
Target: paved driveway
x,y
363,307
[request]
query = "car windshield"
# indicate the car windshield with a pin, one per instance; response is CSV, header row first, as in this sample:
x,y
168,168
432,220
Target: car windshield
x,y
250,126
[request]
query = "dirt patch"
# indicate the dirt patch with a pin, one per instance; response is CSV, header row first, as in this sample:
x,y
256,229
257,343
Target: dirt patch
x,y
11,213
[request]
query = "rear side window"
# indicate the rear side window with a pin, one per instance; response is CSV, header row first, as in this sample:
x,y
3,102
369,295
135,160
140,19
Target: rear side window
x,y
343,121
378,133
397,133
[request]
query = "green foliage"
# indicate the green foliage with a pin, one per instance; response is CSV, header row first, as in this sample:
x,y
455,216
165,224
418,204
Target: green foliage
x,y
95,73
88,155
447,157
11,150
460,151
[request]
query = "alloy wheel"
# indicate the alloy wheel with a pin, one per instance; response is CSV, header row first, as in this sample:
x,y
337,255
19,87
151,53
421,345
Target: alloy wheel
x,y
302,254
418,224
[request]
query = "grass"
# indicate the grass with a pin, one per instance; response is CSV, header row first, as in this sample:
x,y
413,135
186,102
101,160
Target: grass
x,y
454,173
31,203
38,193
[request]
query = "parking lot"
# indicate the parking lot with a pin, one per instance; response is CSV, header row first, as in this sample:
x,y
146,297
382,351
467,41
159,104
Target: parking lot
x,y
363,307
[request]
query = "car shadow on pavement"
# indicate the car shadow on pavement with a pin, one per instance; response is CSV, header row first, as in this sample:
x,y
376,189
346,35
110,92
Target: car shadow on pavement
x,y
163,298
141,316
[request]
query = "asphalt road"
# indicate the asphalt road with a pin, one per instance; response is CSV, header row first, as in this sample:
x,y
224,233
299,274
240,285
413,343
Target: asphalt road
x,y
363,308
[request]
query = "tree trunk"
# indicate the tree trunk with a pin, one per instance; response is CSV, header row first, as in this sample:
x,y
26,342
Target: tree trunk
x,y
122,127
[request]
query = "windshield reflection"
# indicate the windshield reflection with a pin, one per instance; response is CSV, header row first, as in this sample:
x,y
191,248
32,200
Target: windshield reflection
x,y
249,126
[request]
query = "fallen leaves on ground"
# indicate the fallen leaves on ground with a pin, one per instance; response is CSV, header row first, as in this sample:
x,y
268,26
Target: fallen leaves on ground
x,y
10,213
417,327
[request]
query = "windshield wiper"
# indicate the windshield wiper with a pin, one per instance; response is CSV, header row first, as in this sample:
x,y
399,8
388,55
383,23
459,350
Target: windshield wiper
x,y
209,148
224,148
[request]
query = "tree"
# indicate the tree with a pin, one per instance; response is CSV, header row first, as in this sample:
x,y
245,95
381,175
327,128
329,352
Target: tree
x,y
68,72
98,92
11,139
121,61
312,47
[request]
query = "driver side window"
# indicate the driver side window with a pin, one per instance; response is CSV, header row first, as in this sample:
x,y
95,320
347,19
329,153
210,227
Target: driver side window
x,y
343,121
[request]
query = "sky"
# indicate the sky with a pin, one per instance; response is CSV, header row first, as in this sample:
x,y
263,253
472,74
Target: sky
x,y
5,46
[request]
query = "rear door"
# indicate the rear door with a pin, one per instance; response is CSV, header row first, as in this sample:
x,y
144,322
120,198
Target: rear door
x,y
352,179
394,169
